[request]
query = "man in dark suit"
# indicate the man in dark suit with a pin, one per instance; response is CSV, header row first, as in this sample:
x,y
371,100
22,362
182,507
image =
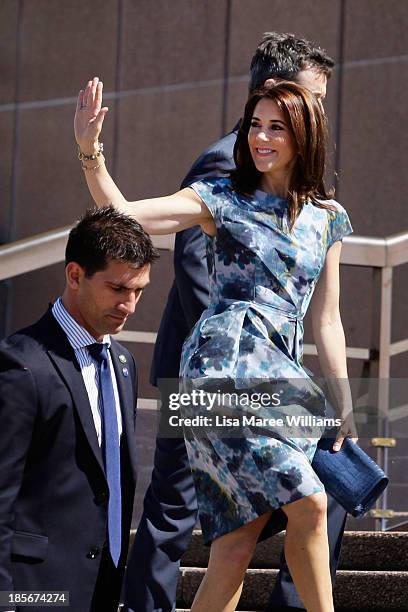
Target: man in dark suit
x,y
67,412
170,507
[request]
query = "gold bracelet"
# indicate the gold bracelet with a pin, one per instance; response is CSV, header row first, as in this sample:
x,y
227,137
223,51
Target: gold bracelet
x,y
92,168
82,157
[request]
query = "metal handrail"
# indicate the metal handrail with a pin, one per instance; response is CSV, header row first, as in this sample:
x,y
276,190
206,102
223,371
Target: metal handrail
x,y
48,248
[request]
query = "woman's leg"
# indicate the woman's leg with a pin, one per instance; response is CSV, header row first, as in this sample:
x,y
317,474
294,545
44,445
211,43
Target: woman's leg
x,y
307,551
230,555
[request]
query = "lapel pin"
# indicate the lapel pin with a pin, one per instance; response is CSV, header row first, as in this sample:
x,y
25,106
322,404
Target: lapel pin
x,y
125,372
122,359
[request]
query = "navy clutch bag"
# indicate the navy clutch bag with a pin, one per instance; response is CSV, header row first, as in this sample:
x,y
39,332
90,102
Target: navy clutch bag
x,y
349,475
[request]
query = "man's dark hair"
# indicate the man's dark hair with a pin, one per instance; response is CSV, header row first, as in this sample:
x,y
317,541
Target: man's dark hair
x,y
283,56
104,234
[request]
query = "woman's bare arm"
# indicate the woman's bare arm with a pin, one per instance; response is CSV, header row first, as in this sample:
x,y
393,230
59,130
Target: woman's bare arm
x,y
330,340
164,215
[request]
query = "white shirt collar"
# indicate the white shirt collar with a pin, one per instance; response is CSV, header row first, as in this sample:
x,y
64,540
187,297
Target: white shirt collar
x,y
77,335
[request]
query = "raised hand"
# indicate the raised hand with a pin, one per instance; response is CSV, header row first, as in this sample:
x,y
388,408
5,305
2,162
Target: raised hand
x,y
89,116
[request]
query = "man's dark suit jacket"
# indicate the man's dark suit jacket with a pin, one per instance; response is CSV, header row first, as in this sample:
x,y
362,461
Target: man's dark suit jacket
x,y
53,489
188,296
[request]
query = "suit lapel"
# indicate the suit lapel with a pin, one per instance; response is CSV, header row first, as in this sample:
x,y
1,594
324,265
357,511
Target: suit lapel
x,y
63,357
126,389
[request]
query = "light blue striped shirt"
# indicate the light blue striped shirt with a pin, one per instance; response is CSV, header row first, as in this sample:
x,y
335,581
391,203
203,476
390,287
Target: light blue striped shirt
x,y
79,338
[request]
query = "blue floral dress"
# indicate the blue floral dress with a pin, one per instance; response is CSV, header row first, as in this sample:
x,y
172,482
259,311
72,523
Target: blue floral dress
x,y
262,278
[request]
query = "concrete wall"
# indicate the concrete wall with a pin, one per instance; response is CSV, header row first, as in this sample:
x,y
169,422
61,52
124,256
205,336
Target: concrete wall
x,y
175,78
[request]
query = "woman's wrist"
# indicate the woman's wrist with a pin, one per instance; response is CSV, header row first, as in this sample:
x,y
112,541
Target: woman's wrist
x,y
91,160
93,164
89,151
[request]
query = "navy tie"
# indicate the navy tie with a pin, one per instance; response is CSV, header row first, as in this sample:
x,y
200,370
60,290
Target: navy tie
x,y
110,449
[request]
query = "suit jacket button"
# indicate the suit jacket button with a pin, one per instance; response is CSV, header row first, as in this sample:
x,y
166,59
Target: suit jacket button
x,y
101,498
93,552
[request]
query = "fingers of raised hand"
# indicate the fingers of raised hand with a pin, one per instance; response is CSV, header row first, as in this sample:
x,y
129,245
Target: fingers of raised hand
x,y
99,118
89,115
98,96
92,97
80,100
86,94
94,85
95,106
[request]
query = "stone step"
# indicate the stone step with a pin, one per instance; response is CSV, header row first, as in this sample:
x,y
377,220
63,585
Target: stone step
x,y
361,550
357,591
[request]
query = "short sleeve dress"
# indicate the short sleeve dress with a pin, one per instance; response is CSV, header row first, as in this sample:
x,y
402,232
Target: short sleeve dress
x,y
262,278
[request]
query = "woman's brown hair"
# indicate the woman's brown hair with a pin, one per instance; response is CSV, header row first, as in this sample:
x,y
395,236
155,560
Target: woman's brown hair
x,y
306,119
